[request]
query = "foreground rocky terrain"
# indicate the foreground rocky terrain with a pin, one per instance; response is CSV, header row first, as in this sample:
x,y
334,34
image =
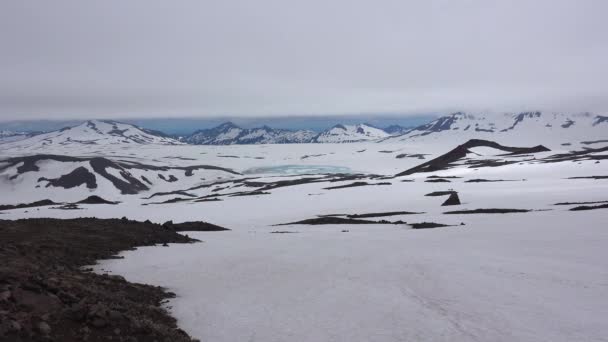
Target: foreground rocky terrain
x,y
48,294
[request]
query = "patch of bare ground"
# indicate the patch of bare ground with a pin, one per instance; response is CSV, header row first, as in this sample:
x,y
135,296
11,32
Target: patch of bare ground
x,y
488,211
46,295
590,207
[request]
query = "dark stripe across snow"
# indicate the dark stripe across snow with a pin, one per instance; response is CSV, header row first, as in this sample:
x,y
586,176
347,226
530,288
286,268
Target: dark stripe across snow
x,y
443,162
130,184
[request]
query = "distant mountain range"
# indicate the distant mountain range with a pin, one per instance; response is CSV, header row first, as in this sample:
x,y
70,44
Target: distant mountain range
x,y
533,127
96,132
8,136
526,127
230,134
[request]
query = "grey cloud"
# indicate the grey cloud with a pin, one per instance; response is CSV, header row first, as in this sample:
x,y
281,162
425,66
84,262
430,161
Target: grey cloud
x,y
74,59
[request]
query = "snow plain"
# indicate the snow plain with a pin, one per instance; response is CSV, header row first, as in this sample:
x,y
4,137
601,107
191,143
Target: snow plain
x,y
536,276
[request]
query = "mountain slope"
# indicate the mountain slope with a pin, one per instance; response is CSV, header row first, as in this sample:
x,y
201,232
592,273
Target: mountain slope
x,y
529,127
96,132
230,134
10,136
350,133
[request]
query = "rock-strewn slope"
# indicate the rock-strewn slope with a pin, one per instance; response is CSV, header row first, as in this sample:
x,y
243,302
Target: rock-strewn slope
x,y
46,296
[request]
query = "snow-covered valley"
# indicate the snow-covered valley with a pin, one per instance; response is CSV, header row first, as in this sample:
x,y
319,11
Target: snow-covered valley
x,y
325,241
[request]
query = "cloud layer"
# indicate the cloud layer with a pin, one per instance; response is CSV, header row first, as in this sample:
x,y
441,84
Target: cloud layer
x,y
150,58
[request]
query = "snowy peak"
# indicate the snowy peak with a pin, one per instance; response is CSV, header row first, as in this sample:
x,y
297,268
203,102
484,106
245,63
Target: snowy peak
x,y
97,132
397,129
533,127
350,133
10,136
230,134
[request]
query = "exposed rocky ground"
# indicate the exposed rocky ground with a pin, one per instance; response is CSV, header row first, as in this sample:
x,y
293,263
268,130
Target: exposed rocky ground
x,y
47,295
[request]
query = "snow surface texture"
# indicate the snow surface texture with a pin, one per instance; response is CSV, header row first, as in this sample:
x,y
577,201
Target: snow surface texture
x,y
530,128
534,276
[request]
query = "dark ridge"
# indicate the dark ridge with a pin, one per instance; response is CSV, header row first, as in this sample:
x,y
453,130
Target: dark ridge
x,y
594,142
480,180
590,207
567,124
171,200
355,184
171,178
441,193
388,213
589,177
450,177
488,211
42,203
578,203
177,192
599,119
193,226
129,187
330,220
146,180
29,162
427,225
283,232
77,177
404,155
453,199
351,185
584,154
444,161
520,118
47,296
437,180
207,200
311,155
69,206
251,193
95,200
188,169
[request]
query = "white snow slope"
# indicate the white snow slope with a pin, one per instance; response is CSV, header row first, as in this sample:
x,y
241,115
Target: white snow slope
x,y
534,276
350,133
529,128
94,132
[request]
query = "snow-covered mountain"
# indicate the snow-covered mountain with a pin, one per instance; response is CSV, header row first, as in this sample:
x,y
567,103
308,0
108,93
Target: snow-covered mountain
x,y
230,134
528,127
397,129
96,132
10,136
350,133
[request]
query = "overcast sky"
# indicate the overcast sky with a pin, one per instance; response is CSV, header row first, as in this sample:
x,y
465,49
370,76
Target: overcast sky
x,y
147,58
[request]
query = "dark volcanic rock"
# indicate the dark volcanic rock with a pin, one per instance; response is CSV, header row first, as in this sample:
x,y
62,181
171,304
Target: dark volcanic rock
x,y
42,203
444,161
427,225
589,177
388,213
437,180
73,179
331,220
488,211
95,200
45,295
194,226
590,207
441,193
129,186
452,200
355,184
